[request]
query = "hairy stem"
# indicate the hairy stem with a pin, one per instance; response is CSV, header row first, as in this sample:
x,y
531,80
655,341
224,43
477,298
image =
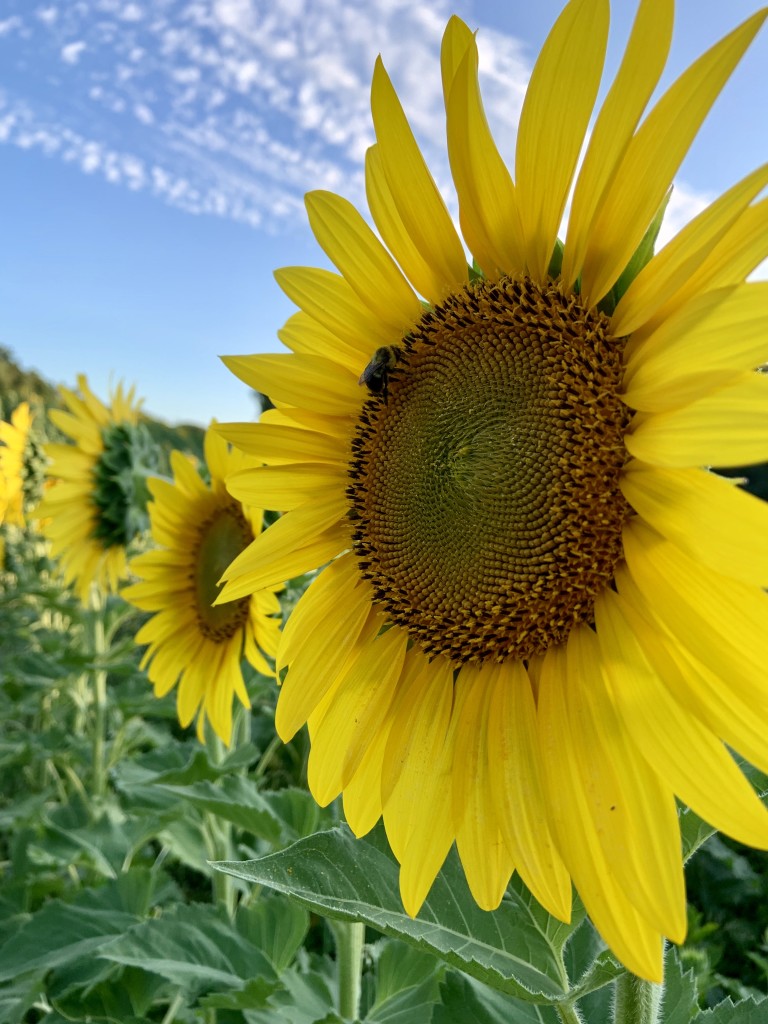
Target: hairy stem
x,y
349,937
636,1001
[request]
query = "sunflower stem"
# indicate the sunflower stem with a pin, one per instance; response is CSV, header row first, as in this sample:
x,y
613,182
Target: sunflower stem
x,y
568,1013
220,832
98,645
636,1001
349,937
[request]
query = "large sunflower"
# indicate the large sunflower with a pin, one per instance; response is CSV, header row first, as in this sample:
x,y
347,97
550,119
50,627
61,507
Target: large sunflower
x,y
199,530
15,440
542,617
90,511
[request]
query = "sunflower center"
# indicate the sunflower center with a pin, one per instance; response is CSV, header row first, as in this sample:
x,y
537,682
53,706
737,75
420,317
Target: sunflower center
x,y
484,478
221,538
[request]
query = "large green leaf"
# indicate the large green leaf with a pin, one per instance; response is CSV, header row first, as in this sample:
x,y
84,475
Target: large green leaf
x,y
235,799
466,1001
747,1012
407,984
61,932
516,949
197,948
679,1002
277,926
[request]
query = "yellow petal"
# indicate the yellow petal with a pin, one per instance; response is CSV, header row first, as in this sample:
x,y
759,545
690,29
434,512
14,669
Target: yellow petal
x,y
487,863
278,444
286,487
363,260
652,158
415,195
570,801
330,300
727,427
516,787
638,75
362,797
306,337
417,815
358,706
671,268
682,749
707,516
309,381
553,122
490,222
723,622
720,333
392,229
316,641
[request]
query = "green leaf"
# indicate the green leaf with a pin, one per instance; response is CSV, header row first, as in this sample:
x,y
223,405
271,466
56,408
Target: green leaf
x,y
61,932
277,926
679,1002
254,995
18,997
749,1011
516,948
235,799
466,1001
407,984
196,947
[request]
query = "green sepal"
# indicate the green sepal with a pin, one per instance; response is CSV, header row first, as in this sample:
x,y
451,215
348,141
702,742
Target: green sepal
x,y
556,261
120,491
643,254
475,272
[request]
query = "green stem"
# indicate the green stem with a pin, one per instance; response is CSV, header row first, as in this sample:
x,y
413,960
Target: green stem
x,y
99,677
170,1013
220,833
568,1013
637,1001
349,937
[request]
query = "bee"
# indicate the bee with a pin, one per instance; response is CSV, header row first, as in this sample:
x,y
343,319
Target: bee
x,y
376,374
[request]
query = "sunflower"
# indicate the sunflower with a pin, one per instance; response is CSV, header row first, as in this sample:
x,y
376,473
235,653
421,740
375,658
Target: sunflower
x,y
91,509
540,618
199,530
15,438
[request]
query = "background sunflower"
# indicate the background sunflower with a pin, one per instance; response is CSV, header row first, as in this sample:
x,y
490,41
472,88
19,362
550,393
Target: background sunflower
x,y
199,529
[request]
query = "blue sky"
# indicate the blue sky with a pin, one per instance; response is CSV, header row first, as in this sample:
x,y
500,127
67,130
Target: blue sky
x,y
154,155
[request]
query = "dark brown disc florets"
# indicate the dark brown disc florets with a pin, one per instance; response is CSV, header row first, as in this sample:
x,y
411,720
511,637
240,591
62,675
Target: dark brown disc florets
x,y
484,487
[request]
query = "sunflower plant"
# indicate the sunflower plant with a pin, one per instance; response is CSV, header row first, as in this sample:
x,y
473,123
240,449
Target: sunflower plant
x,y
538,633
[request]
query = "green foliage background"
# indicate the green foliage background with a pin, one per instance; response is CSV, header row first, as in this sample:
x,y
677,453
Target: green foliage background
x,y
110,910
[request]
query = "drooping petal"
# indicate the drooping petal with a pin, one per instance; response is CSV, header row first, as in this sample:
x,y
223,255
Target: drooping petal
x,y
684,751
722,621
516,786
564,759
484,855
315,643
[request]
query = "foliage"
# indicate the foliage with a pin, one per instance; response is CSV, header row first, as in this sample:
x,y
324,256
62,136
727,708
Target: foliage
x,y
148,879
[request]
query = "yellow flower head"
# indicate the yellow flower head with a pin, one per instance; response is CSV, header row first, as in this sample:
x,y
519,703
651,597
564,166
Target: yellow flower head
x,y
199,530
14,450
543,618
87,509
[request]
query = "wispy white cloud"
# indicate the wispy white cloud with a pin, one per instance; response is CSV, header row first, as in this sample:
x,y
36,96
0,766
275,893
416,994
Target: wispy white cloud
x,y
232,107
236,108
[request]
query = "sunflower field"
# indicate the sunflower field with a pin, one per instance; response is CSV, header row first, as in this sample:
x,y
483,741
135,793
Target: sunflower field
x,y
438,692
